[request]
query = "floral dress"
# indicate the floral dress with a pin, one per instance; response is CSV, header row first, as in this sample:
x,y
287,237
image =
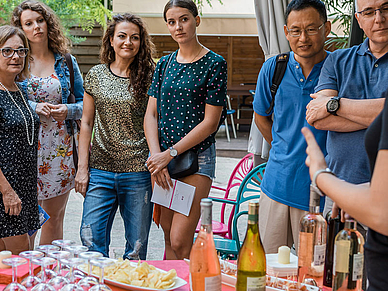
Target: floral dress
x,y
56,169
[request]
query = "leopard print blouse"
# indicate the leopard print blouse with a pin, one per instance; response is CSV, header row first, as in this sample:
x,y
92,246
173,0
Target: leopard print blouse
x,y
119,143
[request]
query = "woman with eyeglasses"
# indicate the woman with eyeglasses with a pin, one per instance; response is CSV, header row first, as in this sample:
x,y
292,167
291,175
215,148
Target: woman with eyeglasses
x,y
48,91
19,126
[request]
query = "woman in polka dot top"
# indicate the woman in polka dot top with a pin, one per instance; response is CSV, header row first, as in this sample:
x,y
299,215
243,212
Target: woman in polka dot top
x,y
186,105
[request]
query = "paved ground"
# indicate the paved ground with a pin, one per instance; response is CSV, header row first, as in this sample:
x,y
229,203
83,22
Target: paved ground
x,y
156,244
226,161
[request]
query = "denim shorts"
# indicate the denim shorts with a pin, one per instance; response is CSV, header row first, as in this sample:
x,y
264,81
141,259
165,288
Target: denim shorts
x,y
207,162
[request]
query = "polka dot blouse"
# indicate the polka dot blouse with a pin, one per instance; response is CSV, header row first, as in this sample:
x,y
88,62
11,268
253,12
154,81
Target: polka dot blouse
x,y
184,93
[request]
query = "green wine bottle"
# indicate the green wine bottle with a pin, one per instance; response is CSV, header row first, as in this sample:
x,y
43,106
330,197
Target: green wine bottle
x,y
348,258
251,266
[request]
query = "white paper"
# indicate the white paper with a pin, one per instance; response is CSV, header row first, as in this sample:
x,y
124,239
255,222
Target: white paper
x,y
178,198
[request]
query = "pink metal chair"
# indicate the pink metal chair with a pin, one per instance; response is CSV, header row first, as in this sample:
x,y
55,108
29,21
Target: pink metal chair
x,y
243,167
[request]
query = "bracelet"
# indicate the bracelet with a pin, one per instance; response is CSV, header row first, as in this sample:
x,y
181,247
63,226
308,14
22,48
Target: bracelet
x,y
314,181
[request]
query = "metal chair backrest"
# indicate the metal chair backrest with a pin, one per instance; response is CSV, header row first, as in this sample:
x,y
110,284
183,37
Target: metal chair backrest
x,y
249,189
239,173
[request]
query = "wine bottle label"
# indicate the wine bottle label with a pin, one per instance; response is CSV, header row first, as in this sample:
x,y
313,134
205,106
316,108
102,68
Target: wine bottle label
x,y
319,254
305,252
341,256
358,263
256,283
213,283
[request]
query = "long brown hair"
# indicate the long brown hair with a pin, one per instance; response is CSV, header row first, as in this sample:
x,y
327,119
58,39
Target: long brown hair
x,y
6,32
57,41
142,67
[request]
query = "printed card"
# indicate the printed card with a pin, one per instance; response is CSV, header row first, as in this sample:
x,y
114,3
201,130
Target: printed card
x,y
178,198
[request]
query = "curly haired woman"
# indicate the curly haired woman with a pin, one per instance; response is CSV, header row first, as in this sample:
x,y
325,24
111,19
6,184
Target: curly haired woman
x,y
48,91
115,102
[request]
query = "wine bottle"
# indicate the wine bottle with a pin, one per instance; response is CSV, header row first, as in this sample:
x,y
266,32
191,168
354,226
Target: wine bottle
x,y
205,271
312,242
251,266
348,258
334,226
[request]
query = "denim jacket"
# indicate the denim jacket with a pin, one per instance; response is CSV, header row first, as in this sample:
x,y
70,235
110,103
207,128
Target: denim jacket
x,y
74,110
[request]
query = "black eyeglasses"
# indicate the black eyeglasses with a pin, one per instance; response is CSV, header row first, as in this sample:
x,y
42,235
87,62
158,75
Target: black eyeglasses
x,y
369,13
9,52
310,31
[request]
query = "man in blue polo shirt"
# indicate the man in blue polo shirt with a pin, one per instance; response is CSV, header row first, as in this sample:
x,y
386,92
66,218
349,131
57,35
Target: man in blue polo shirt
x,y
285,187
351,93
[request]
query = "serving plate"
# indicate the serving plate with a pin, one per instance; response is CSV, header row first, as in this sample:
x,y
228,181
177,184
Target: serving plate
x,y
179,282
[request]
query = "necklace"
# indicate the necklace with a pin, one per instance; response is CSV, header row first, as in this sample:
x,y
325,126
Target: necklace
x,y
30,142
197,54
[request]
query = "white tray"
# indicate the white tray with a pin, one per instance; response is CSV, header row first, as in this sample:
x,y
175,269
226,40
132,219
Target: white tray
x,y
179,282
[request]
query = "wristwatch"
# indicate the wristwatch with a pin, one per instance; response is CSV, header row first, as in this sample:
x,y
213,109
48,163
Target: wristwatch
x,y
314,181
173,152
333,105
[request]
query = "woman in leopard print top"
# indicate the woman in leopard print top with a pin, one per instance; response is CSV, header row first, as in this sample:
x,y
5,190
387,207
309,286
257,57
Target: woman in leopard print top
x,y
114,104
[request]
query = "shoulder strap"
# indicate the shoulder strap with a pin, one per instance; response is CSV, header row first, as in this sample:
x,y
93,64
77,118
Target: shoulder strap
x,y
161,83
69,63
280,69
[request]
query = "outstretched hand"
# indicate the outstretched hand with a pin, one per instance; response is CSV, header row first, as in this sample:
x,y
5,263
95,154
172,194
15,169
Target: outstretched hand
x,y
315,159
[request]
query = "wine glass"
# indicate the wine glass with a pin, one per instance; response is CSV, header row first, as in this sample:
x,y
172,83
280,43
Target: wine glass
x,y
47,249
62,243
14,262
59,280
31,280
44,263
72,262
75,250
101,263
87,282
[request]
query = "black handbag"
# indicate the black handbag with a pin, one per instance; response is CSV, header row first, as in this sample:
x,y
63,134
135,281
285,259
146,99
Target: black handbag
x,y
183,165
186,163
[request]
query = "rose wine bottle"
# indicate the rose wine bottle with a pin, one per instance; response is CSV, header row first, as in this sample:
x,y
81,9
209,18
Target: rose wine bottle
x,y
348,258
312,242
251,264
334,226
205,271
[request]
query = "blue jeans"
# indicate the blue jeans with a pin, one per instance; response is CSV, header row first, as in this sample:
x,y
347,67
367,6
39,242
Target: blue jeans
x,y
106,192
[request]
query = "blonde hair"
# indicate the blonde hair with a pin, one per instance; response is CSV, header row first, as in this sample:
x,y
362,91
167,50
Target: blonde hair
x,y
6,32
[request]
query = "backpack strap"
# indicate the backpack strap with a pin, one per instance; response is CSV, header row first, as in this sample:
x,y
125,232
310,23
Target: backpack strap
x,y
280,69
69,64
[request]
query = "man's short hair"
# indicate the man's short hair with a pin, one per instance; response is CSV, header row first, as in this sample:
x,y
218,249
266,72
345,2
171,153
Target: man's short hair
x,y
297,5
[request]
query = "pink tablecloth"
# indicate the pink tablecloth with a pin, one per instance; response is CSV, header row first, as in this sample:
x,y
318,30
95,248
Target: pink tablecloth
x,y
181,267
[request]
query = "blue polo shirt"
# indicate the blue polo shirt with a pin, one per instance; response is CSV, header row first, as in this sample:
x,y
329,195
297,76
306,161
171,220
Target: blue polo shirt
x,y
356,74
286,178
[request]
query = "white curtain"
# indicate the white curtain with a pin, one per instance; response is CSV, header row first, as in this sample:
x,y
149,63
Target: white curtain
x,y
270,23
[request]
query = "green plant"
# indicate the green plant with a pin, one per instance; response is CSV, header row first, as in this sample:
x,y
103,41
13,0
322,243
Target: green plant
x,y
83,13
341,11
200,3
